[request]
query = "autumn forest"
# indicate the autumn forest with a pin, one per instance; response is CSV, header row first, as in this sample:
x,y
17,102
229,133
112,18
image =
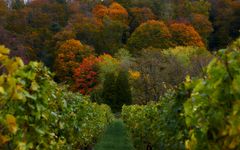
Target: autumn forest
x,y
120,74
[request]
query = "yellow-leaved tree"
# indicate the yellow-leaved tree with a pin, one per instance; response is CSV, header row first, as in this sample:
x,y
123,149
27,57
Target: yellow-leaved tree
x,y
69,55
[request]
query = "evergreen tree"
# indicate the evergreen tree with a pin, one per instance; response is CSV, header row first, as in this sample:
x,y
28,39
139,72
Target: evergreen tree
x,y
123,91
108,93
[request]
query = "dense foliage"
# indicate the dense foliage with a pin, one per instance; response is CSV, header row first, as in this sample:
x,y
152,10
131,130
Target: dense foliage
x,y
69,55
153,33
115,53
143,124
139,16
115,12
85,75
212,112
158,35
160,70
107,25
185,35
158,125
202,113
116,90
37,114
42,30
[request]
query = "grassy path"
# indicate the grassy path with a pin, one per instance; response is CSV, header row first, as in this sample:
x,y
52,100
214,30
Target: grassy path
x,y
115,138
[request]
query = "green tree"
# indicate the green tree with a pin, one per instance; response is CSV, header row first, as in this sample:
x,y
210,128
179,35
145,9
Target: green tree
x,y
123,91
112,35
108,93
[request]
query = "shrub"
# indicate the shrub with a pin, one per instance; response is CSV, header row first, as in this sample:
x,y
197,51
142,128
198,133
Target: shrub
x,y
158,125
212,112
37,114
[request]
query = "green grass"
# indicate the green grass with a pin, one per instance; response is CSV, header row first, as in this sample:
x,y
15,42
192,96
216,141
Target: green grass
x,y
115,138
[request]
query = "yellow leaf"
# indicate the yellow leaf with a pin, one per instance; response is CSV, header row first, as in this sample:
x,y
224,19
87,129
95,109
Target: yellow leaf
x,y
4,50
233,144
17,95
11,123
21,146
4,139
12,67
19,61
2,91
34,86
134,74
187,144
188,78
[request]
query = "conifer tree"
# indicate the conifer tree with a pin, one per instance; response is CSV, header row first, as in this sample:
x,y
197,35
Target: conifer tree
x,y
108,93
123,91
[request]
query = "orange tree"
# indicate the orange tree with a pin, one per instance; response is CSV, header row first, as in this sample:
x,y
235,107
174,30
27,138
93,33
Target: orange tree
x,y
105,35
151,33
60,37
69,56
139,16
99,11
118,12
115,12
110,29
185,35
202,25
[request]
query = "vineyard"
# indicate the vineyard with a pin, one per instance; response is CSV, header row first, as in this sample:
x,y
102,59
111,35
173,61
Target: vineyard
x,y
38,114
202,113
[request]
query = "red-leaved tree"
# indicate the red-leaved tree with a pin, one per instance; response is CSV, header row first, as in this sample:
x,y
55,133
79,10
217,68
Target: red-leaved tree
x,y
85,75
